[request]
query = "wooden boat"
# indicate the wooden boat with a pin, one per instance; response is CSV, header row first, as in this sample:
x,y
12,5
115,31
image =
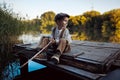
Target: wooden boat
x,y
86,61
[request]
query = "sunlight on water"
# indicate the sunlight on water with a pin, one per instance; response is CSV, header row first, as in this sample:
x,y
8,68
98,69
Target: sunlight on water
x,y
29,38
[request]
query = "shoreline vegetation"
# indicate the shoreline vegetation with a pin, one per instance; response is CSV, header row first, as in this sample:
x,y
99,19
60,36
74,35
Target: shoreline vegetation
x,y
90,26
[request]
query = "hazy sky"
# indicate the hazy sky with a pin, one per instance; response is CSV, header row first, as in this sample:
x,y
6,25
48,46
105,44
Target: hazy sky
x,y
73,7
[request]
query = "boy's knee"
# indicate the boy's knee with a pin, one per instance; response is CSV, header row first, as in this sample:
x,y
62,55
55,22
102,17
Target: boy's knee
x,y
45,38
63,40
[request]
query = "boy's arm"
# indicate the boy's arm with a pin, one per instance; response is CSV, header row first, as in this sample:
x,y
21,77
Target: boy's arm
x,y
67,36
51,36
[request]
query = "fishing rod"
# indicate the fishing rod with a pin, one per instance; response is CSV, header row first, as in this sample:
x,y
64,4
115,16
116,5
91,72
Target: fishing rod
x,y
36,54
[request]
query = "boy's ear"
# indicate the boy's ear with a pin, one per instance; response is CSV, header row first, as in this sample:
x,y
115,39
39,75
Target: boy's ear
x,y
57,21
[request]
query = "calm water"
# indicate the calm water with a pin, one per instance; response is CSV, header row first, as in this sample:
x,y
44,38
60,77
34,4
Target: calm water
x,y
12,69
29,38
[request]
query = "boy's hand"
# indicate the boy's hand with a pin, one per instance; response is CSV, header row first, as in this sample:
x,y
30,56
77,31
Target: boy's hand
x,y
63,27
51,39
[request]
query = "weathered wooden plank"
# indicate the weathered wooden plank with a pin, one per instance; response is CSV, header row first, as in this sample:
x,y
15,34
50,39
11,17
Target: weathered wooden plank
x,y
92,56
92,53
80,72
97,44
76,72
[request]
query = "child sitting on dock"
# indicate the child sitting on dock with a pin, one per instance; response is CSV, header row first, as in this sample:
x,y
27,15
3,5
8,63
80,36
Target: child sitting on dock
x,y
60,38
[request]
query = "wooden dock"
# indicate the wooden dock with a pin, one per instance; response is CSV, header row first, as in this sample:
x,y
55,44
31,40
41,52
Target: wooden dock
x,y
86,61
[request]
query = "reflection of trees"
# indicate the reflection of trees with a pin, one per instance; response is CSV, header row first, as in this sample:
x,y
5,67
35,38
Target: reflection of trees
x,y
11,70
81,36
116,36
106,31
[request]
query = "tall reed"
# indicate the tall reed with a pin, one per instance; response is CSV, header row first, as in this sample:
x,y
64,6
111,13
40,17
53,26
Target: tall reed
x,y
9,31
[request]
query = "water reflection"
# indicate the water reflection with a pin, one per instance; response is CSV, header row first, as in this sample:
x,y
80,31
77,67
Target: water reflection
x,y
29,38
116,36
97,35
11,70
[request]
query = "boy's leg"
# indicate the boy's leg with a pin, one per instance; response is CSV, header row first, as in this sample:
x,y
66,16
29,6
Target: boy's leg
x,y
62,45
60,49
43,43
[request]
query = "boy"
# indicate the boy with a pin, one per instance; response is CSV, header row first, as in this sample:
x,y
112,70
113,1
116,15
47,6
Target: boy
x,y
60,37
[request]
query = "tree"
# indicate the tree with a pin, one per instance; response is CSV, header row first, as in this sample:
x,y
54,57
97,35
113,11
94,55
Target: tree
x,y
47,21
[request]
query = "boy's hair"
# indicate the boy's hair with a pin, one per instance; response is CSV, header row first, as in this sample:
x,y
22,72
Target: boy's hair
x,y
61,16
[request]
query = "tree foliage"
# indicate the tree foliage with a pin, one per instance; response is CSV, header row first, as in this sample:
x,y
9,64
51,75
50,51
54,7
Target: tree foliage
x,y
47,21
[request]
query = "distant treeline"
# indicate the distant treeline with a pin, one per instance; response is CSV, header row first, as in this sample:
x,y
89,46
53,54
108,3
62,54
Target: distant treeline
x,y
90,25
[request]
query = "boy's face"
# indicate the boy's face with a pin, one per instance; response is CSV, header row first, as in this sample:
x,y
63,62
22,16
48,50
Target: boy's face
x,y
63,22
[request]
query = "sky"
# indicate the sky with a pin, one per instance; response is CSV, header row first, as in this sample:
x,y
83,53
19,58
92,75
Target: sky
x,y
35,8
